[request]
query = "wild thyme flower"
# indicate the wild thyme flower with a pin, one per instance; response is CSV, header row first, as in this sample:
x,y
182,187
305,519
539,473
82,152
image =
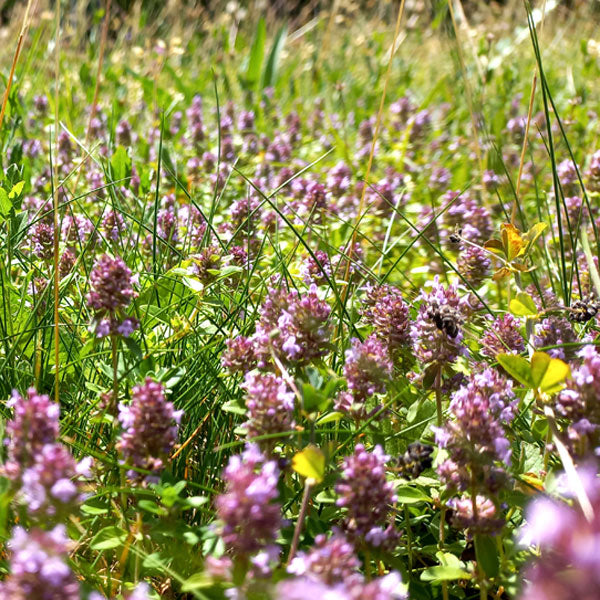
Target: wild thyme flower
x,y
555,331
578,403
250,516
366,494
568,567
331,560
475,435
51,486
295,327
38,567
112,291
388,314
34,424
474,219
239,357
150,425
486,521
502,335
367,370
474,265
437,332
113,225
270,404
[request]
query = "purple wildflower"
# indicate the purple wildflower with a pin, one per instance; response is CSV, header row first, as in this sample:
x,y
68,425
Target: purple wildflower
x,y
475,435
50,486
250,515
270,404
388,314
367,495
569,565
502,336
150,425
111,293
556,331
578,402
437,334
474,265
34,424
38,566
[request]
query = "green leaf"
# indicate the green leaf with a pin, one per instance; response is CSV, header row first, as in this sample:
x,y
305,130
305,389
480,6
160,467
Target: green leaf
x,y
408,494
518,367
107,538
532,235
486,551
5,203
196,501
270,73
523,305
547,373
197,581
16,189
444,573
152,507
310,463
257,53
120,163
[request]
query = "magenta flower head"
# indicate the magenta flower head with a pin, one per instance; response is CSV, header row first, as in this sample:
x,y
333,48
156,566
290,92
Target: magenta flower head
x,y
34,424
296,328
112,291
556,331
248,509
270,405
437,332
502,336
367,496
239,357
51,487
474,265
331,560
388,314
475,435
150,426
578,403
568,567
38,567
367,370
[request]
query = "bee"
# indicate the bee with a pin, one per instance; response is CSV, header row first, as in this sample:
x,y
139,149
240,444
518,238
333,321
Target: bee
x,y
455,236
446,319
415,460
583,310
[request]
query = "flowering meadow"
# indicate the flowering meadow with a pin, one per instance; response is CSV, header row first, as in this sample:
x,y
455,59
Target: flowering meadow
x,y
300,303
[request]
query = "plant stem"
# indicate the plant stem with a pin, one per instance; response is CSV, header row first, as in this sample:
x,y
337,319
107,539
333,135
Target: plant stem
x,y
438,397
301,516
115,365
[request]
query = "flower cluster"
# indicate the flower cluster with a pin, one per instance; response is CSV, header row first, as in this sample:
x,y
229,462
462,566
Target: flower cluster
x,y
295,328
38,567
555,334
502,336
248,510
150,425
569,564
270,404
475,439
34,424
388,314
112,291
367,497
578,403
437,332
367,370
